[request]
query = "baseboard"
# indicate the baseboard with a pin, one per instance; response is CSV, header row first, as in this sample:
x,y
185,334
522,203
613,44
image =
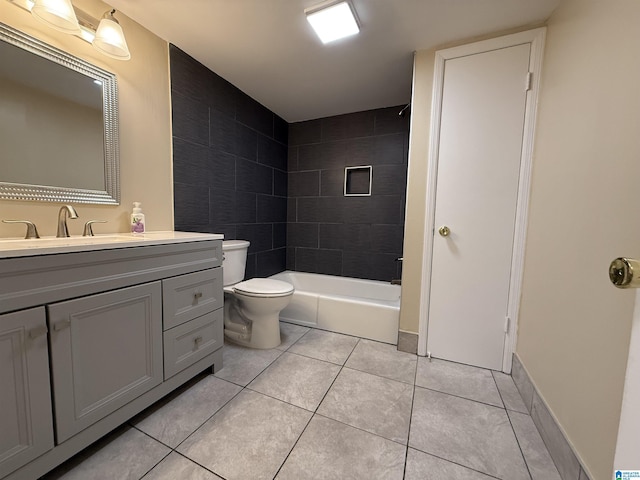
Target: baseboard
x,y
407,342
560,448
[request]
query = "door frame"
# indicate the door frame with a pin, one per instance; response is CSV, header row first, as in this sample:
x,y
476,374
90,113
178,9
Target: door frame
x,y
626,456
536,38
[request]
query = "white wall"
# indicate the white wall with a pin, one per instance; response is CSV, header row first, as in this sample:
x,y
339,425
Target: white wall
x,y
574,326
414,226
626,457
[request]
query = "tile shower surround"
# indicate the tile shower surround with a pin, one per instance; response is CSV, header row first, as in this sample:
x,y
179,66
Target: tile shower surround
x,y
241,170
350,236
229,164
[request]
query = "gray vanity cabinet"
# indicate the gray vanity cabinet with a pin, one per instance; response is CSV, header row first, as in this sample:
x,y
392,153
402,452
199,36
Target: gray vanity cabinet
x,y
106,350
89,339
26,431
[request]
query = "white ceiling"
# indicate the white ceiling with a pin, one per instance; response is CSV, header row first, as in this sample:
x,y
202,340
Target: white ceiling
x,y
268,50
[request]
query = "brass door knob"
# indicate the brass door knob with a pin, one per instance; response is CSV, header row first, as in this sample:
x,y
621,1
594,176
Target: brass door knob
x,y
625,273
444,231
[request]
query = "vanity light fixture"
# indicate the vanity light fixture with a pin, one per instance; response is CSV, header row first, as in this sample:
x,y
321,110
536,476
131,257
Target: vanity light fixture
x,y
110,38
57,14
333,20
87,31
106,36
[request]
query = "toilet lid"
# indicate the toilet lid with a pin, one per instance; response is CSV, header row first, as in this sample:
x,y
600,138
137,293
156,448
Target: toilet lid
x,y
263,286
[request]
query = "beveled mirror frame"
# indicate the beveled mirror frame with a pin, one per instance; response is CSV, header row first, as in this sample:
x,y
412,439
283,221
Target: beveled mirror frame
x,y
45,193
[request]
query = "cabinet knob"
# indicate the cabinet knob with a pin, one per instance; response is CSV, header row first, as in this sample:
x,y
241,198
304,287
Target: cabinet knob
x,y
61,325
197,295
197,341
38,331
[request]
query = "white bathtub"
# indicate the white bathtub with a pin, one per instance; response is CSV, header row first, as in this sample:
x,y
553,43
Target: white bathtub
x,y
365,308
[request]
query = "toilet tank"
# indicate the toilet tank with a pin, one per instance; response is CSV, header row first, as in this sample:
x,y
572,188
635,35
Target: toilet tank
x,y
234,261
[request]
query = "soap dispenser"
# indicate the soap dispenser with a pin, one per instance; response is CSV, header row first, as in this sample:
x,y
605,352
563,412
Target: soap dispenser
x,y
137,218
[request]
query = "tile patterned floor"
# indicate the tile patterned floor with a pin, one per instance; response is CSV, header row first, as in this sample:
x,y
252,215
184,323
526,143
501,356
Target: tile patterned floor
x,y
326,406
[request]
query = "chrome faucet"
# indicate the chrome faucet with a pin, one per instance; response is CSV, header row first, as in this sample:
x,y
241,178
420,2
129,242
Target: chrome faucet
x,y
65,211
32,230
88,227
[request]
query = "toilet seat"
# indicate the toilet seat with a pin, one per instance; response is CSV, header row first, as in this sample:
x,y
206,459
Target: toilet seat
x,y
263,287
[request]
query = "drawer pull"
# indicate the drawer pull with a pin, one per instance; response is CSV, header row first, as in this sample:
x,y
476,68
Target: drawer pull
x,y
61,325
197,341
38,331
197,295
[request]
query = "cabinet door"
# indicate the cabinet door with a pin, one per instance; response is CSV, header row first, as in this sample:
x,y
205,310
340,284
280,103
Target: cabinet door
x,y
26,429
106,350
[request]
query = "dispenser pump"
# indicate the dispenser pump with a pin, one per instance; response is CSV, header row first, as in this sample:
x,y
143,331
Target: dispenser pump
x,y
137,219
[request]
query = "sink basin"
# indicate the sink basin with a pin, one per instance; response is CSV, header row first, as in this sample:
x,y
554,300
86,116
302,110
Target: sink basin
x,y
62,242
20,247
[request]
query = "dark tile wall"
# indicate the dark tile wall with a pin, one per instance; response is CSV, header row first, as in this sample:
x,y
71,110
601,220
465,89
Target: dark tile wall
x,y
229,164
350,236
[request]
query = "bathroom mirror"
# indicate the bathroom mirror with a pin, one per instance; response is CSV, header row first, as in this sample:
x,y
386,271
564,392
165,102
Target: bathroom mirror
x,y
58,125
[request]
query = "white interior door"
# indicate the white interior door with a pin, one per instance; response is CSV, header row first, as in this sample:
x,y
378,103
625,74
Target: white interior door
x,y
478,169
628,447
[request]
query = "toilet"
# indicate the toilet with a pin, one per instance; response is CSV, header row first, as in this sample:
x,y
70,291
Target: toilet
x,y
251,307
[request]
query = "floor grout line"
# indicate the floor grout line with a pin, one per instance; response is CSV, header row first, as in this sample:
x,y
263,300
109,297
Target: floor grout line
x,y
524,458
157,463
294,446
208,418
315,412
461,397
455,463
199,464
413,398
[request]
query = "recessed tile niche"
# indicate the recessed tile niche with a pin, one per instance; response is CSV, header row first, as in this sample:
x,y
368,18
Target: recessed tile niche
x,y
357,181
349,235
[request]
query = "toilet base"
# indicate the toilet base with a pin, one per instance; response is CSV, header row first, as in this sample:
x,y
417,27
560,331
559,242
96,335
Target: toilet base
x,y
234,337
263,333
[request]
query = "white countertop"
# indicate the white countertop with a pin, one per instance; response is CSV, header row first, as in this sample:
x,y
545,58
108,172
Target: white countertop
x,y
19,247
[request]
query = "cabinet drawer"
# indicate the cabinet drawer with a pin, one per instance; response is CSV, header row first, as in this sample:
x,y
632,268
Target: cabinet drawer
x,y
189,296
187,343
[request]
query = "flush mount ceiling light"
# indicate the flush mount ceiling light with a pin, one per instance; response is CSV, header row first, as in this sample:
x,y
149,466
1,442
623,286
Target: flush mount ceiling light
x,y
110,38
333,20
57,14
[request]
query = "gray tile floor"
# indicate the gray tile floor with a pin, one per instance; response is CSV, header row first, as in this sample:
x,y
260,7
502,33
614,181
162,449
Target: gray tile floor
x,y
327,406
